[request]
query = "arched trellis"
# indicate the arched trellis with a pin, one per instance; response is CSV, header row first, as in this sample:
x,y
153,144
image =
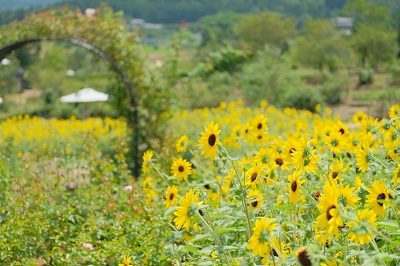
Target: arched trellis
x,y
4,51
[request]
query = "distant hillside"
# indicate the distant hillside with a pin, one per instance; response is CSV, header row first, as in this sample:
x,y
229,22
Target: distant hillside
x,y
23,4
175,11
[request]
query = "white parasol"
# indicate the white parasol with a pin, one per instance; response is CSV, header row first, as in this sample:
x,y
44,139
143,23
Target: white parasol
x,y
84,96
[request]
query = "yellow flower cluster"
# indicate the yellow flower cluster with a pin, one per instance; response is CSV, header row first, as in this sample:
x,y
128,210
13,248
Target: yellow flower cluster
x,y
288,178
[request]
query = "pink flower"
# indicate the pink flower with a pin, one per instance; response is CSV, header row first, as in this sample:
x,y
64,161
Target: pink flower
x,y
87,246
128,188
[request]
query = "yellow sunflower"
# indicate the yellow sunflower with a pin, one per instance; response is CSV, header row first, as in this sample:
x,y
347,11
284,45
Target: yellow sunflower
x,y
187,209
334,170
303,257
171,196
294,187
147,160
346,196
304,157
181,144
259,123
253,175
394,111
126,261
377,194
181,169
362,233
256,199
335,141
209,140
396,175
278,250
363,159
329,221
331,263
262,233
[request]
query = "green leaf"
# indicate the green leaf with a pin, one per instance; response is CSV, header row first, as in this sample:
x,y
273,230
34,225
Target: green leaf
x,y
191,249
230,229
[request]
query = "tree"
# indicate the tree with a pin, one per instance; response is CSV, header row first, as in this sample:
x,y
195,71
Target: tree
x,y
374,45
218,29
321,46
374,38
368,13
269,28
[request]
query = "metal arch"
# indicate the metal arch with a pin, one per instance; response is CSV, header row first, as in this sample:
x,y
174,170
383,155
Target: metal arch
x,y
4,51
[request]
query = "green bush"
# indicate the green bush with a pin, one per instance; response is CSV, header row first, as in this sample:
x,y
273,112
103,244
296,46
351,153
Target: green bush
x,y
366,76
303,98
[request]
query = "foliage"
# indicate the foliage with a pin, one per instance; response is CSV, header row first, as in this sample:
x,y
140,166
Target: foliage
x,y
267,77
322,46
266,28
151,95
68,197
217,30
225,59
374,45
366,76
253,180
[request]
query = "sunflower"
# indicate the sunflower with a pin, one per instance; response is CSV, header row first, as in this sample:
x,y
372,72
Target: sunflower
x,y
302,257
362,233
346,196
189,206
363,159
171,196
394,111
334,170
335,141
181,169
331,263
277,250
256,199
396,175
304,157
181,144
262,233
329,221
126,261
147,160
209,141
377,194
259,124
294,187
228,181
359,117
253,175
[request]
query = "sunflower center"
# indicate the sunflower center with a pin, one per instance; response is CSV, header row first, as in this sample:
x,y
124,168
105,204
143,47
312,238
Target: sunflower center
x,y
254,203
181,168
294,186
253,177
279,161
335,174
328,212
334,143
341,131
259,125
212,139
171,196
292,150
381,196
274,253
259,136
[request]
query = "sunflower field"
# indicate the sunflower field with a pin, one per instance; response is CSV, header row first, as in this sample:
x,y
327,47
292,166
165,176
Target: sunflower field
x,y
232,185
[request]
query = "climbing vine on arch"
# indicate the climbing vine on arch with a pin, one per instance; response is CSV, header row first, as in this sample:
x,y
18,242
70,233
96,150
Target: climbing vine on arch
x,y
107,30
